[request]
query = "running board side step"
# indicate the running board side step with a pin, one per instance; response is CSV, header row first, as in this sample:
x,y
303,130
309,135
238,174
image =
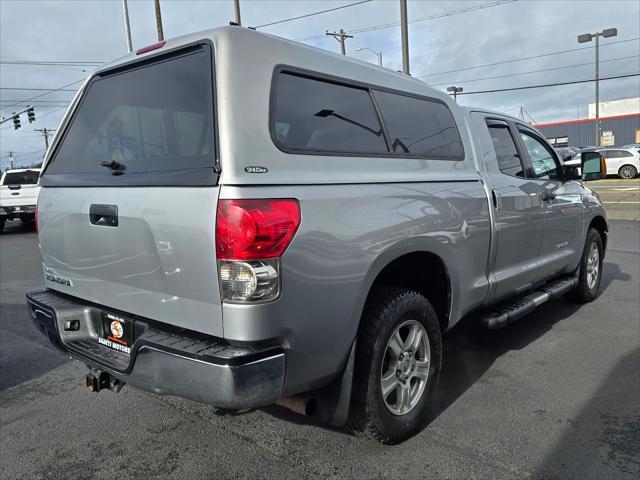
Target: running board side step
x,y
521,306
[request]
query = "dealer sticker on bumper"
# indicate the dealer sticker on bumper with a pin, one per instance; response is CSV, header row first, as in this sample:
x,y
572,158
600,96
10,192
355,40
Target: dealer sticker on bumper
x,y
117,333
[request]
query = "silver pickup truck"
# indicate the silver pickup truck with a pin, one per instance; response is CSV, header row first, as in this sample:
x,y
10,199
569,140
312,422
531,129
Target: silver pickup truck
x,y
243,220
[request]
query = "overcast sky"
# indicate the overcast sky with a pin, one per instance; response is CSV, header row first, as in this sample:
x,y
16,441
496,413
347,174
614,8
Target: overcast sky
x,y
92,31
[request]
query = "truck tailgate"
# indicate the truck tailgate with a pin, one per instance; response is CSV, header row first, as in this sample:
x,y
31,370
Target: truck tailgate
x,y
18,195
158,262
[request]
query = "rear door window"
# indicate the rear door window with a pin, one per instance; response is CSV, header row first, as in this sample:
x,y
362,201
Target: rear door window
x,y
151,118
419,127
509,160
616,154
323,116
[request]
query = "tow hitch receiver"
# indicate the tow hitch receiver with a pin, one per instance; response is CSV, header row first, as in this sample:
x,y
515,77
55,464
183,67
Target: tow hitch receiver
x,y
96,381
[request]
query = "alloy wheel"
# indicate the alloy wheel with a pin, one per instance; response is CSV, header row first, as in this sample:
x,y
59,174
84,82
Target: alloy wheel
x,y
405,367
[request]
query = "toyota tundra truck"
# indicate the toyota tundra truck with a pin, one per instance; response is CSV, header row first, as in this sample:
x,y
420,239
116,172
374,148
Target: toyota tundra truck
x,y
19,192
243,220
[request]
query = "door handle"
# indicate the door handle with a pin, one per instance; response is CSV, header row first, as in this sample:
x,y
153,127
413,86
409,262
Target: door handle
x,y
496,200
546,196
103,215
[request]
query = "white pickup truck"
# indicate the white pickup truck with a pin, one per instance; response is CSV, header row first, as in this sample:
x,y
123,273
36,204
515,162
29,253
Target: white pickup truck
x,y
19,190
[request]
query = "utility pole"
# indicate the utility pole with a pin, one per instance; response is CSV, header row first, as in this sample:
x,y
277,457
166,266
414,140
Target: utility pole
x,y
45,133
340,37
587,37
236,5
404,32
159,20
12,158
127,29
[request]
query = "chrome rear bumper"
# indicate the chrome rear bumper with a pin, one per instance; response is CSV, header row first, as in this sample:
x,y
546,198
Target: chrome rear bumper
x,y
165,360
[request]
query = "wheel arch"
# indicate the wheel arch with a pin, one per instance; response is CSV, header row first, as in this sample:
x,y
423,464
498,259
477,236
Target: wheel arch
x,y
627,165
428,271
600,224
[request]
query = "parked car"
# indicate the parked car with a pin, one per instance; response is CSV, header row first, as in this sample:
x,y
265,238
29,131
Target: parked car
x,y
566,153
296,226
624,162
635,147
19,191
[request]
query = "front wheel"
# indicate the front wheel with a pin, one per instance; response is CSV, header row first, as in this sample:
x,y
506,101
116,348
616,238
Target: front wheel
x,y
398,361
628,171
590,269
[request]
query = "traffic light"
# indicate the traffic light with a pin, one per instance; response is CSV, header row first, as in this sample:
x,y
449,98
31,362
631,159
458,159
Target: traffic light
x,y
31,115
16,122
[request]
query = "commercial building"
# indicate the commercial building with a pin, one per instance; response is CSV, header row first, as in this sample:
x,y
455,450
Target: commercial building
x,y
615,130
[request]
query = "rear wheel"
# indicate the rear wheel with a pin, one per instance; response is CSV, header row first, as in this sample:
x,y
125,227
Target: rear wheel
x,y
590,270
628,171
398,361
2,224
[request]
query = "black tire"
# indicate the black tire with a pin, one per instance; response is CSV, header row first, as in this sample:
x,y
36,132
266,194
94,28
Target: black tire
x,y
628,172
387,309
585,291
2,225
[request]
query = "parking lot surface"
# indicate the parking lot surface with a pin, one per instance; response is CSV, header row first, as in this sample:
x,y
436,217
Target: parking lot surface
x,y
621,198
555,395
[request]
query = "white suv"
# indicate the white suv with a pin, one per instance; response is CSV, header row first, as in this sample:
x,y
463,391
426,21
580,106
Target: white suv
x,y
624,162
19,190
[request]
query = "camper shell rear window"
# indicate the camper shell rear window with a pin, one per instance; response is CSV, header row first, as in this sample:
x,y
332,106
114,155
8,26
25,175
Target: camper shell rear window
x,y
150,123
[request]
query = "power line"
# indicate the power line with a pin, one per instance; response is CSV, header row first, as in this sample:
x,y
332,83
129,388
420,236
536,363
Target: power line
x,y
530,71
421,19
50,63
46,93
527,87
39,89
525,58
312,14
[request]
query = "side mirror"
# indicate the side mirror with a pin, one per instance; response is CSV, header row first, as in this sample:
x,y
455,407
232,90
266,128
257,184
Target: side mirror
x,y
593,166
572,172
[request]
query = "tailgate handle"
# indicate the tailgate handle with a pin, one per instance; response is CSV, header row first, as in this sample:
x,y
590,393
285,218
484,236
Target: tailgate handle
x,y
15,187
103,215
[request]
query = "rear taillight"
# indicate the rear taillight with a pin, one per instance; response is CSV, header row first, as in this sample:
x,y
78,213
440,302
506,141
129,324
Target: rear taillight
x,y
251,236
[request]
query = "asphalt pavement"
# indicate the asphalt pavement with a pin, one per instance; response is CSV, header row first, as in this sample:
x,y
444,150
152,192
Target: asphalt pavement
x,y
555,395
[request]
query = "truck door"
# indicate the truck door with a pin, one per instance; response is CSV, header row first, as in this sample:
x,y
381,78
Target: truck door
x,y
516,202
562,239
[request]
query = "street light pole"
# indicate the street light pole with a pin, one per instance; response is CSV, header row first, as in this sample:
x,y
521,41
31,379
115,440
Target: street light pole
x,y
587,37
404,33
455,90
159,21
377,54
597,90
